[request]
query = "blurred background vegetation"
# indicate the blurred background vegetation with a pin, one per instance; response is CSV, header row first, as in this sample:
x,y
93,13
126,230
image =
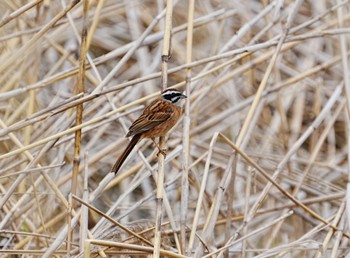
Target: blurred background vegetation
x,y
271,76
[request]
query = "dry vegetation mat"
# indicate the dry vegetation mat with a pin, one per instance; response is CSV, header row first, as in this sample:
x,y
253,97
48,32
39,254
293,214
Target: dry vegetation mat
x,y
258,165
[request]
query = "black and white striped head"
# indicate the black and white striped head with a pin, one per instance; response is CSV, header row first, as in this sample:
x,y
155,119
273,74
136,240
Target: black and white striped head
x,y
173,96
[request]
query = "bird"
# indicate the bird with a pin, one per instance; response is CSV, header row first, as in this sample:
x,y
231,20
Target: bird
x,y
155,121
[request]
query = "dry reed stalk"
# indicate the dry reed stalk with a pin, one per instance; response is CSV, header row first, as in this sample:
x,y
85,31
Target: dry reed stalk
x,y
79,117
331,231
112,220
166,55
83,230
201,195
147,250
186,132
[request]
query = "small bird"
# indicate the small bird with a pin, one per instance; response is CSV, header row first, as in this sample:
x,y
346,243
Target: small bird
x,y
156,120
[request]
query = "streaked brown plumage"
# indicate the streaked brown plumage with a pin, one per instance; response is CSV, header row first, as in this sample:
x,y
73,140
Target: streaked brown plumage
x,y
155,121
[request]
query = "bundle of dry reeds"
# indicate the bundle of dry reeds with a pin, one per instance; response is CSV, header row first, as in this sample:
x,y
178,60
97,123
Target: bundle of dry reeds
x,y
257,166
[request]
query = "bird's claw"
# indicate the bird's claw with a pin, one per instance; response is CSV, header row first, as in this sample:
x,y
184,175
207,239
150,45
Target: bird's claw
x,y
162,151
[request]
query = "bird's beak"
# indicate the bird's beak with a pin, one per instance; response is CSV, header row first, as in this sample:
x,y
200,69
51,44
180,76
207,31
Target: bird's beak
x,y
183,96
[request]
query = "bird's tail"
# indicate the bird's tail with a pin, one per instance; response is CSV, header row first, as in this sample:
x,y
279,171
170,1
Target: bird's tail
x,y
126,153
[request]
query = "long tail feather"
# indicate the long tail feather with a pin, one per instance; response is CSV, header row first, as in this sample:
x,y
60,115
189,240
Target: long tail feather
x,y
126,153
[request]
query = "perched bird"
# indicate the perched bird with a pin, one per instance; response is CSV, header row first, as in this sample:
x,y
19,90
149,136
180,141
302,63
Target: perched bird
x,y
156,120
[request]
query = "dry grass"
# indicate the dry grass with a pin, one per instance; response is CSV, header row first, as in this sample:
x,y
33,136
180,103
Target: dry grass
x,y
257,167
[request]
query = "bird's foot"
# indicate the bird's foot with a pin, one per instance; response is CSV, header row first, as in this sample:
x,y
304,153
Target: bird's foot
x,y
161,151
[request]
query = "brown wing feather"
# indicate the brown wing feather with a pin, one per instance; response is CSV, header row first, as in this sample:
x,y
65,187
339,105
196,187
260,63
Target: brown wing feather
x,y
152,116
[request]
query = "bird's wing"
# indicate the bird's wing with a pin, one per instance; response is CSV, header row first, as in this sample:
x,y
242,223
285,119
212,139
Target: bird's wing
x,y
152,116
